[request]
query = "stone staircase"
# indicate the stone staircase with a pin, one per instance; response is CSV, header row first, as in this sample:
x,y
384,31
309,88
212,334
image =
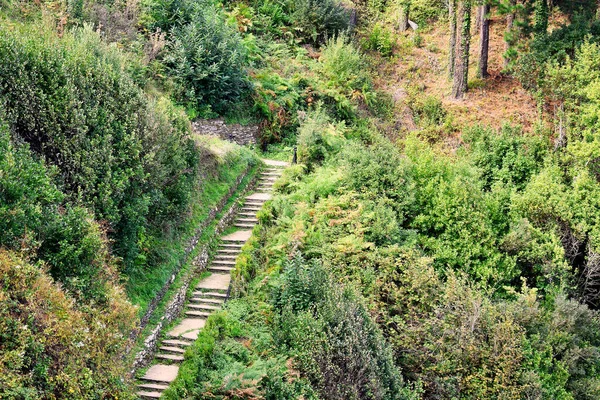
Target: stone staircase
x,y
210,293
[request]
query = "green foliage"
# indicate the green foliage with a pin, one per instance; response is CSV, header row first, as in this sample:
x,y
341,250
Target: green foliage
x,y
316,21
35,221
318,138
51,348
381,39
344,65
331,334
127,158
207,59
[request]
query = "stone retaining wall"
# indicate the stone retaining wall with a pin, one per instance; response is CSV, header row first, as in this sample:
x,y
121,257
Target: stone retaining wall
x,y
237,133
200,262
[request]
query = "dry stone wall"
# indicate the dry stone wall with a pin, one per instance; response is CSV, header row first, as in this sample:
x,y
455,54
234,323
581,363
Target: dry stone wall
x,y
237,133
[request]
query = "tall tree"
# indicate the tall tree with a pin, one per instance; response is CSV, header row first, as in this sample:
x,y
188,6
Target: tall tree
x,y
452,49
541,14
461,62
484,40
508,35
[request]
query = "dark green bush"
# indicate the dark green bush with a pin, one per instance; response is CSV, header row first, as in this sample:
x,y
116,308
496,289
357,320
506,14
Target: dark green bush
x,y
206,58
127,158
335,342
315,21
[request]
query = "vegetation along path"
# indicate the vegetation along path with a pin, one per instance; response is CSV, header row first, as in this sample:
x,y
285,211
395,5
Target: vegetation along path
x,y
211,293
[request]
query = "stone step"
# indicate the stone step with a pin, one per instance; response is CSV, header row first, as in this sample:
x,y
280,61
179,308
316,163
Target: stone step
x,y
149,395
172,349
226,252
197,314
247,214
251,209
223,262
203,307
232,246
245,226
209,295
153,386
205,300
247,220
221,270
214,283
170,357
226,257
175,342
161,373
241,236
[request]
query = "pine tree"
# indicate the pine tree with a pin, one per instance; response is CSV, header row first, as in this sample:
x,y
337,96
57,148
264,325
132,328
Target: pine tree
x,y
461,62
484,41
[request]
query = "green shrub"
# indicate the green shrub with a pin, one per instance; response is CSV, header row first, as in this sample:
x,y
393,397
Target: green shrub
x,y
381,39
207,58
51,346
315,21
344,65
334,340
318,138
125,157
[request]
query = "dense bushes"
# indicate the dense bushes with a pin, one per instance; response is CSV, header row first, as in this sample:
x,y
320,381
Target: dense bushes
x,y
206,58
52,349
127,158
318,20
34,220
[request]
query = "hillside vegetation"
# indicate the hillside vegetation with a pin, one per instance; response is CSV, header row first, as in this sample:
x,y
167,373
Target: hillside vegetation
x,y
438,238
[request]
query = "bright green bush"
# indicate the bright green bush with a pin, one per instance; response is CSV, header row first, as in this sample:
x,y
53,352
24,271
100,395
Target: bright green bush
x,y
380,39
318,138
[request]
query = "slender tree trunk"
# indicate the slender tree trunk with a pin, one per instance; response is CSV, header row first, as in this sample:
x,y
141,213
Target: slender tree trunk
x,y
510,22
404,16
484,41
452,50
461,68
598,9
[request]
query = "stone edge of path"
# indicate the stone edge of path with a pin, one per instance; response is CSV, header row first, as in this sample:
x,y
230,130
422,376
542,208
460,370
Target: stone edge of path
x,y
175,306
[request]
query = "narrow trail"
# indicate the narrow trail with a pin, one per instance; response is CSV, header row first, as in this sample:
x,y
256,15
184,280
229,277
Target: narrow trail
x,y
211,293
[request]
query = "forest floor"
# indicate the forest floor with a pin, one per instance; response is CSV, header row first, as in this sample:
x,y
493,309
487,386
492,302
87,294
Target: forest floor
x,y
423,70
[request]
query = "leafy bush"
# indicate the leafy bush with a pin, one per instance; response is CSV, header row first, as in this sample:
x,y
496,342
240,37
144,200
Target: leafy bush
x,y
344,65
127,158
333,338
318,138
51,348
206,58
381,39
316,21
33,219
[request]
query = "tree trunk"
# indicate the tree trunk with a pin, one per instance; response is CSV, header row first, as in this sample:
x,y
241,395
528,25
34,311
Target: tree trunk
x,y
452,50
484,41
404,16
510,22
461,67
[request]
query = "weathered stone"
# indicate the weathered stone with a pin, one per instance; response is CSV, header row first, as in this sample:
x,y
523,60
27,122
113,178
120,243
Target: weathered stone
x,y
215,282
161,373
187,325
239,236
